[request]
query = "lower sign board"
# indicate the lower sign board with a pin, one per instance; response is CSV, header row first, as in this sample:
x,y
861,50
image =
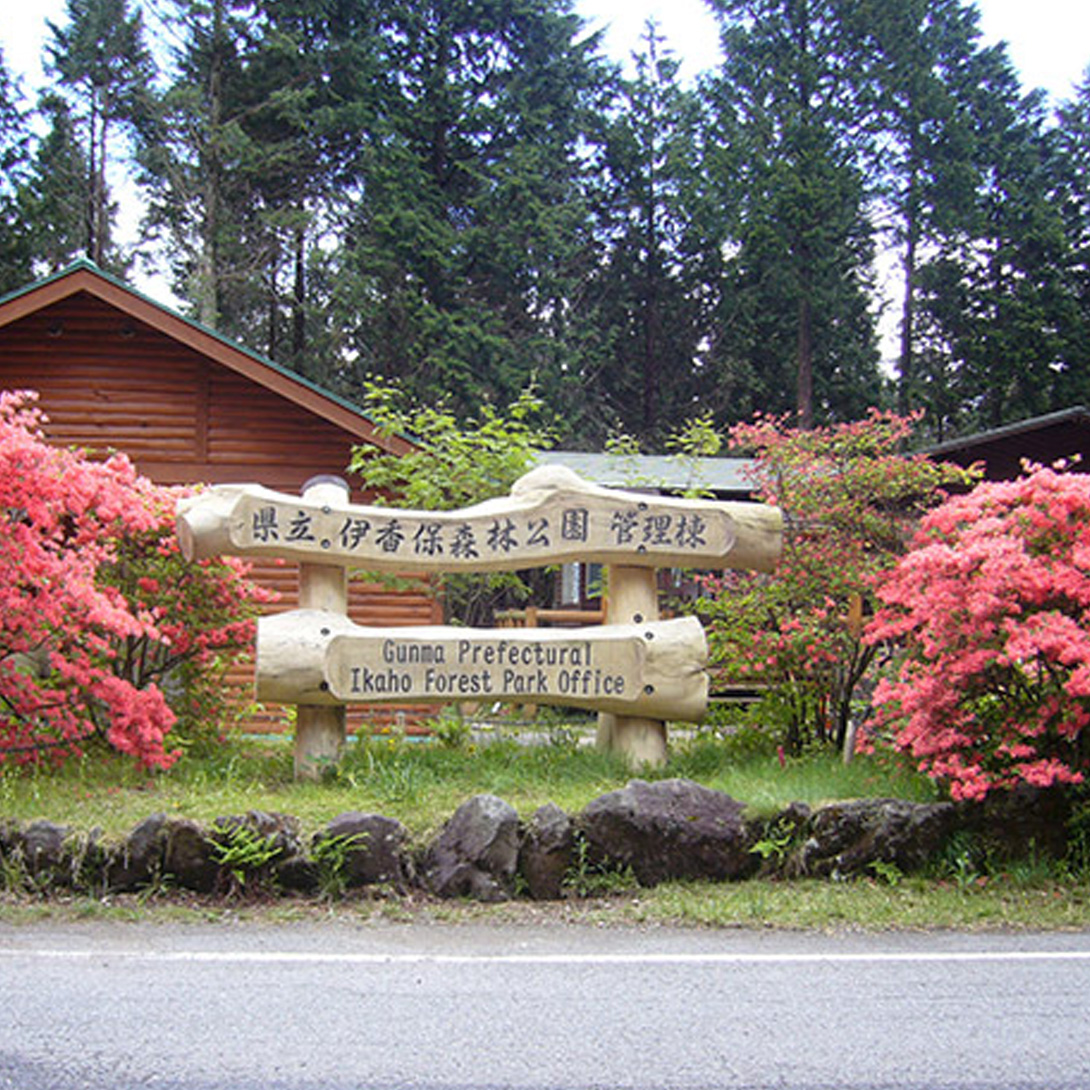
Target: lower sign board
x,y
653,670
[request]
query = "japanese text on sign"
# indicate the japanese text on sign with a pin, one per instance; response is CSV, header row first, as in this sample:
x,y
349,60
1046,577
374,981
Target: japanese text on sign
x,y
639,529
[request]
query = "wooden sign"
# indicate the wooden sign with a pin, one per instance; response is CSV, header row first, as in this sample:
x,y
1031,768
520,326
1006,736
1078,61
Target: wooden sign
x,y
551,516
317,657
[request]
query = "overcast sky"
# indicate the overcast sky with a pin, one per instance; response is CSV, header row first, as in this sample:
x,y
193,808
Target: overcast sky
x,y
1049,40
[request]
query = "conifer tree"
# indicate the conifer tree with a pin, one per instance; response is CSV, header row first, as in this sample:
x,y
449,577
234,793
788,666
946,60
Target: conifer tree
x,y
103,70
14,154
52,197
919,61
995,298
795,296
652,303
1072,199
466,240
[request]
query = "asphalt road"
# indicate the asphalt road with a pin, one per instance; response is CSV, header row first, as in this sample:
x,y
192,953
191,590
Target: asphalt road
x,y
386,1007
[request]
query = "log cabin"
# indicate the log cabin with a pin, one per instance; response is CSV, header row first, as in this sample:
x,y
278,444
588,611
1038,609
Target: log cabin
x,y
117,371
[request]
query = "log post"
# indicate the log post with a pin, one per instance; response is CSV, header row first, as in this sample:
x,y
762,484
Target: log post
x,y
320,728
632,598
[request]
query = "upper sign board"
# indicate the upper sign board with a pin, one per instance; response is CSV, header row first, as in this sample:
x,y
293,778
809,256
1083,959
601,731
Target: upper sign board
x,y
551,516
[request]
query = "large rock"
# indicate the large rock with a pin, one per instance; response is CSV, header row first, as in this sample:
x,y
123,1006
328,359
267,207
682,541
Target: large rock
x,y
1020,822
546,852
54,855
476,853
357,849
849,838
666,830
189,856
138,860
43,848
254,850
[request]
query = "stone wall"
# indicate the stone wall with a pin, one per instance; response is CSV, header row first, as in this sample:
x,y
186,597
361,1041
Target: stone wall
x,y
644,833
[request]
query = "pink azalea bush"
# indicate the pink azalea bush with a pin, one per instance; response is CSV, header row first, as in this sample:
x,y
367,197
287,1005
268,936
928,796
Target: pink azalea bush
x,y
97,607
991,612
850,497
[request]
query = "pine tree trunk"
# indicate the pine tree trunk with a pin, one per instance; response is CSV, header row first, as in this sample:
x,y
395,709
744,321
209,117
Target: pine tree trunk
x,y
908,306
299,298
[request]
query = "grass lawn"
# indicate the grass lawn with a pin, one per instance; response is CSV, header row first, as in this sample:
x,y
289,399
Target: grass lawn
x,y
421,783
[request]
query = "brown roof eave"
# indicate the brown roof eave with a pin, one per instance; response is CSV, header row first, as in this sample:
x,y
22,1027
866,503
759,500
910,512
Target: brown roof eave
x,y
84,277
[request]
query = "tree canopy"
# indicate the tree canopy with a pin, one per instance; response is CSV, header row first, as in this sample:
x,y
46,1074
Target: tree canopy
x,y
467,198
